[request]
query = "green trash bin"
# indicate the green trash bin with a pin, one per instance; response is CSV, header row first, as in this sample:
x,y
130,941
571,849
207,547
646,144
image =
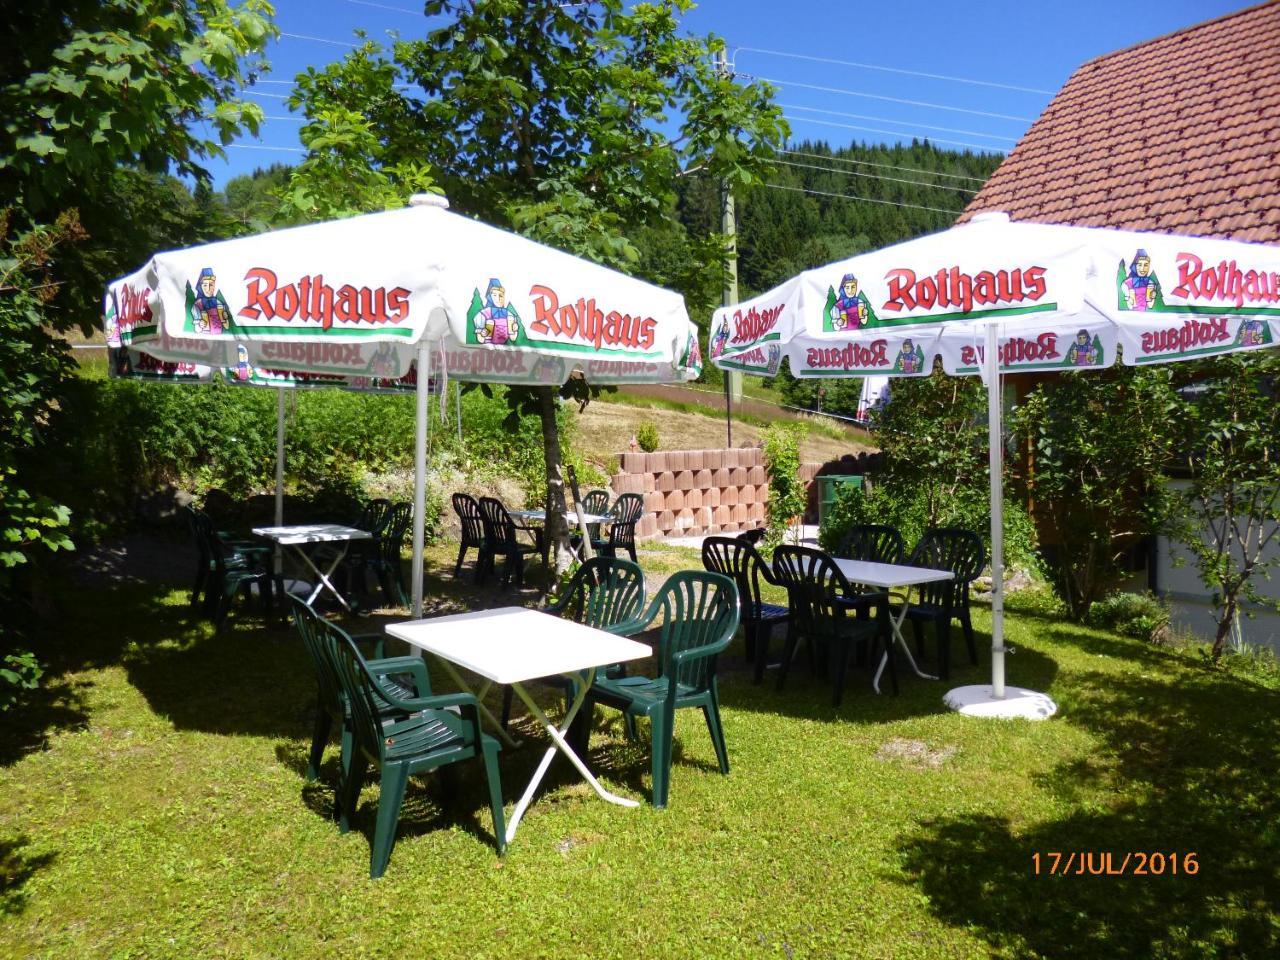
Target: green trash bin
x,y
827,489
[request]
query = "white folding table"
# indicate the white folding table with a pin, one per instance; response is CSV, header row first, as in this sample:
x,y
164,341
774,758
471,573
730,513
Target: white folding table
x,y
302,535
893,576
540,516
511,645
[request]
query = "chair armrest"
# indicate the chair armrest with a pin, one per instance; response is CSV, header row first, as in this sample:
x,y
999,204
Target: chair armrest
x,y
700,653
410,665
434,702
626,628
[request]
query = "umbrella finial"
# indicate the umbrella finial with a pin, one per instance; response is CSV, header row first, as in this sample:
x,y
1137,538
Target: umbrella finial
x,y
429,200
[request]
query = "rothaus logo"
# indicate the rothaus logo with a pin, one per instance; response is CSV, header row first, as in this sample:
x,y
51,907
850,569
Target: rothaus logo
x,y
754,324
852,356
311,299
326,354
952,288
617,368
1015,350
1224,283
585,321
485,361
1187,336
133,309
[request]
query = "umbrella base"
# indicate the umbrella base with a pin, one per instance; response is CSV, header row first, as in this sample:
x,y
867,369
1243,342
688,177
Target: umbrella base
x,y
976,701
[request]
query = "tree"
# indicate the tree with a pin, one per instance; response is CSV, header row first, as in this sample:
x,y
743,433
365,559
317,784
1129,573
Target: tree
x,y
553,119
1099,446
1230,519
88,88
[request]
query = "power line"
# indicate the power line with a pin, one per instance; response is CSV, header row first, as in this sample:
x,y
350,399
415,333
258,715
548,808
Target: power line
x,y
921,126
876,96
886,166
873,176
869,66
303,36
848,196
255,146
383,6
259,93
896,133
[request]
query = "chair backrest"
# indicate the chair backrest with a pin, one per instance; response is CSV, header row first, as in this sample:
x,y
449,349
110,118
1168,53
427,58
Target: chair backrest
x,y
328,682
737,559
500,526
603,592
596,501
472,519
376,515
393,533
949,548
814,587
357,686
212,549
627,511
699,608
873,542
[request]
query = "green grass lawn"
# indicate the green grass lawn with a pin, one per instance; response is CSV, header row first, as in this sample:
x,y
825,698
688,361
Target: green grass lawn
x,y
152,804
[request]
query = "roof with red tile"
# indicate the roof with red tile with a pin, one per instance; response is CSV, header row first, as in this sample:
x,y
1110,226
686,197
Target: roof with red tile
x,y
1179,134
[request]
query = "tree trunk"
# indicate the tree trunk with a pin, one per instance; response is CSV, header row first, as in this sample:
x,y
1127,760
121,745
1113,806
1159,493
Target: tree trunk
x,y
557,530
1224,626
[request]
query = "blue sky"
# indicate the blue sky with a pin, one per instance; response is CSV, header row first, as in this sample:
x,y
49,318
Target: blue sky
x,y
978,54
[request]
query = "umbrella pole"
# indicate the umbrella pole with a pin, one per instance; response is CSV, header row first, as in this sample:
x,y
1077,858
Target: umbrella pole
x,y
420,475
994,409
277,563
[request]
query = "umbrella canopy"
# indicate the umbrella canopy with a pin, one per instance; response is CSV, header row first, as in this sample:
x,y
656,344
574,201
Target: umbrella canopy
x,y
369,300
993,297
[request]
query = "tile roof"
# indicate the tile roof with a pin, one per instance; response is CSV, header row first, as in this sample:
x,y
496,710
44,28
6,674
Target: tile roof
x,y
1179,134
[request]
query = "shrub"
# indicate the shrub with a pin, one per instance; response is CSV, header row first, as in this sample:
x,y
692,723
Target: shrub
x,y
909,511
1139,615
647,437
787,495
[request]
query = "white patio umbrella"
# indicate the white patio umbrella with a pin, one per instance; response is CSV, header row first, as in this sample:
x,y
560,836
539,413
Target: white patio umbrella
x,y
371,296
993,297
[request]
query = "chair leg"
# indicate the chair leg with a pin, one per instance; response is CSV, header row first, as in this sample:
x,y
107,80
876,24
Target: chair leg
x,y
631,549
349,788
917,630
788,654
749,630
887,640
763,634
319,739
507,696
942,629
395,777
492,774
345,760
712,712
967,625
457,567
580,730
660,756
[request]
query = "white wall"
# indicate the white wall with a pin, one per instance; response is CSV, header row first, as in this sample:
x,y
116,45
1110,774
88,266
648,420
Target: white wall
x,y
1191,607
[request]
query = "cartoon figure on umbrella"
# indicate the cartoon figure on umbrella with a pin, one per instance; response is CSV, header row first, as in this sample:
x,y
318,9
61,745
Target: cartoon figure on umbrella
x,y
910,358
209,310
1252,333
720,339
1141,286
1082,353
850,309
497,323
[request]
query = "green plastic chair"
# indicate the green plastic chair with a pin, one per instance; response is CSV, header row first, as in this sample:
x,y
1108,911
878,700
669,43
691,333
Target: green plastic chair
x,y
818,595
385,561
699,613
230,569
604,592
332,708
428,733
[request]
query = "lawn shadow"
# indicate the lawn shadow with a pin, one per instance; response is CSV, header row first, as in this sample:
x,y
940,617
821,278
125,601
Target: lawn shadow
x,y
1175,773
17,866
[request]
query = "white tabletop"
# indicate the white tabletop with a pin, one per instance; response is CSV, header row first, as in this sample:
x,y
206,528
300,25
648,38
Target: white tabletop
x,y
570,515
514,644
889,574
311,533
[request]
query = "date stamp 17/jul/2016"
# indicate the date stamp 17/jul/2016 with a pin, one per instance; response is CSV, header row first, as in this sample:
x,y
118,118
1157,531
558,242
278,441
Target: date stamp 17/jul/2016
x,y
1108,863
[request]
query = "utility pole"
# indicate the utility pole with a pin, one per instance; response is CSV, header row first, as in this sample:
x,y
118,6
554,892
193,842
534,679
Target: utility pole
x,y
729,227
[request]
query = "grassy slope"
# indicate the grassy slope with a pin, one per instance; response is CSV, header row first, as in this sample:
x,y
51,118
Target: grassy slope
x,y
167,816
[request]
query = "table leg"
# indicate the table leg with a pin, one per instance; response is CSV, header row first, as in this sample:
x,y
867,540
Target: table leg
x,y
559,743
896,624
498,729
324,575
